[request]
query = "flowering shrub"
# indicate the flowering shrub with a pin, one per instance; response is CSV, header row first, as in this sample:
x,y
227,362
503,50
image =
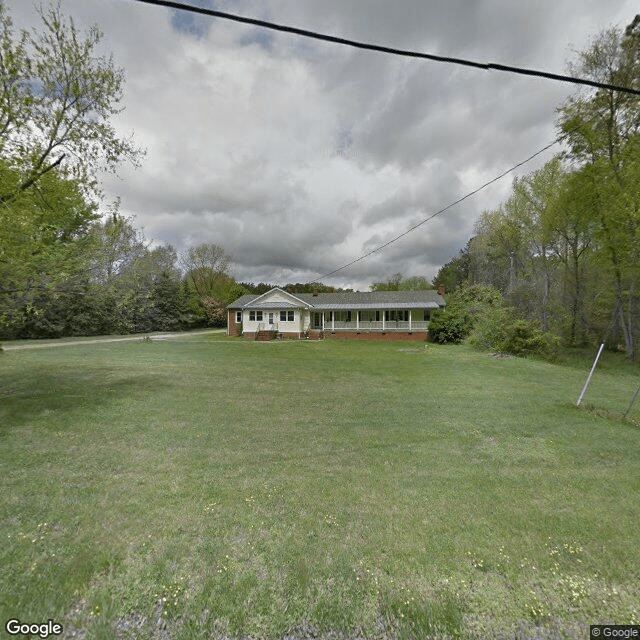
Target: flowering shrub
x,y
216,311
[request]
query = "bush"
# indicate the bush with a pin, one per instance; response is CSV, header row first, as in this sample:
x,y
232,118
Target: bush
x,y
216,311
450,325
502,330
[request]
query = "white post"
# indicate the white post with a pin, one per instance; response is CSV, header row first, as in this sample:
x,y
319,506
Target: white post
x,y
357,320
383,312
333,320
635,395
586,384
409,320
323,320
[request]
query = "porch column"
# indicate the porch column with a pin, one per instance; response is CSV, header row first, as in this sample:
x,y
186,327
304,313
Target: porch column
x,y
357,320
333,320
323,320
382,319
409,319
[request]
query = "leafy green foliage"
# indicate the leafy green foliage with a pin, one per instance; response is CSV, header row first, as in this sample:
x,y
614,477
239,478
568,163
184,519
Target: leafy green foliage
x,y
57,99
44,241
450,325
500,329
114,284
454,323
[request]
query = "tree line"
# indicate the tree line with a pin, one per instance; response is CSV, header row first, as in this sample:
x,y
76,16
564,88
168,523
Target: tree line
x,y
564,249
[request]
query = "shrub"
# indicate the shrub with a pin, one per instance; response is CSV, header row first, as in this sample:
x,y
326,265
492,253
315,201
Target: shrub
x,y
450,325
216,311
464,307
500,329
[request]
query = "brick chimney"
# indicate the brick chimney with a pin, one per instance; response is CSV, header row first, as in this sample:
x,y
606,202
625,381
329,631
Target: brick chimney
x,y
441,289
315,291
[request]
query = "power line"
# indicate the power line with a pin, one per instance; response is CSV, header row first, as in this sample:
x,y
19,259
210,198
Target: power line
x,y
489,66
437,213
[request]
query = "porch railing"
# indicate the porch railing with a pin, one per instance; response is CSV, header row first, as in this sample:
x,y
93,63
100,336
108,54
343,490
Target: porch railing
x,y
374,325
265,326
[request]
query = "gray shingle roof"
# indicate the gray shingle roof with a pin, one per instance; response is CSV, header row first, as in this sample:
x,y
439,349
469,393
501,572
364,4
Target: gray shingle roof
x,y
425,299
241,302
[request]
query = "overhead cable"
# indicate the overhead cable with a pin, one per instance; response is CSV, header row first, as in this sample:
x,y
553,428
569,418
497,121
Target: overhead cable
x,y
489,66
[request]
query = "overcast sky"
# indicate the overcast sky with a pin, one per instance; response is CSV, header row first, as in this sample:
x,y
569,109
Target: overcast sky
x,y
298,156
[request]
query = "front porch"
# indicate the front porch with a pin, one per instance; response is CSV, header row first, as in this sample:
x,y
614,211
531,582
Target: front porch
x,y
377,320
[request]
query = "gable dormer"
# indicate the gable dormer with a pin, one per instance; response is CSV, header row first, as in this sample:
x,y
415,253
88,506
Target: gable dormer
x,y
276,297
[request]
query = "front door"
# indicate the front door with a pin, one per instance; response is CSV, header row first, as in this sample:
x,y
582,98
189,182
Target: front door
x,y
270,320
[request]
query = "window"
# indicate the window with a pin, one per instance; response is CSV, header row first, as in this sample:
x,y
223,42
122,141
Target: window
x,y
238,317
286,316
427,314
397,314
255,315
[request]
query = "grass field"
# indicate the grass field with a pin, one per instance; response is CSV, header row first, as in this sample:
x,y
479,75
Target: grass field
x,y
210,487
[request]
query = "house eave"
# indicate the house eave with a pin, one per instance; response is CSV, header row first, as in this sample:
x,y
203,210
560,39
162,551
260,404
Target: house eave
x,y
275,305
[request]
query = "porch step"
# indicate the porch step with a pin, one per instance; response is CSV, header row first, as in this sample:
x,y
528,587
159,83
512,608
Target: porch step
x,y
266,335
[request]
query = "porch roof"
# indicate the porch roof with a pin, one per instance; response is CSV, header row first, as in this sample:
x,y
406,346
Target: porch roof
x,y
424,299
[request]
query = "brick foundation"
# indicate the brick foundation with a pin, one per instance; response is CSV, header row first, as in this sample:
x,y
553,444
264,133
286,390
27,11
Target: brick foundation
x,y
349,335
352,335
377,335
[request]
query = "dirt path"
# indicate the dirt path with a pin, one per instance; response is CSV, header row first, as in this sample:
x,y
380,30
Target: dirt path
x,y
65,342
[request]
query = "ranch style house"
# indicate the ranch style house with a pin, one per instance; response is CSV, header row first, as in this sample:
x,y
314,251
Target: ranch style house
x,y
384,315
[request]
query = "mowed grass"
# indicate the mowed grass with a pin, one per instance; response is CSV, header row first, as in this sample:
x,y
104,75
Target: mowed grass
x,y
212,487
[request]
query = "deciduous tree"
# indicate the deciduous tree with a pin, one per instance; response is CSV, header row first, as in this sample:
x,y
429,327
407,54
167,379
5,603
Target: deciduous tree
x,y
58,96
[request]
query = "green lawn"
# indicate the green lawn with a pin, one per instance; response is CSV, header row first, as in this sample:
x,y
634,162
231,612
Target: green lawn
x,y
209,487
